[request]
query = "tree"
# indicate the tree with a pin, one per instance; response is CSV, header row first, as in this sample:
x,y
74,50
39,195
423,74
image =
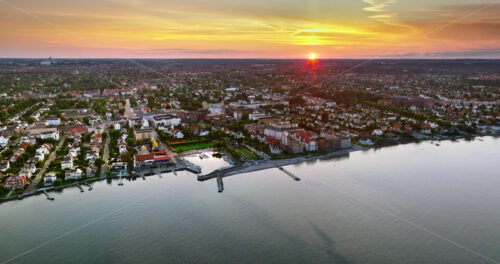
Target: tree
x,y
99,162
58,182
131,141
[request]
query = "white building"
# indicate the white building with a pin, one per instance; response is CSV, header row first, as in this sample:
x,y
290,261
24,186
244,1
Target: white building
x,y
74,174
166,121
53,135
67,163
49,179
4,141
53,121
377,132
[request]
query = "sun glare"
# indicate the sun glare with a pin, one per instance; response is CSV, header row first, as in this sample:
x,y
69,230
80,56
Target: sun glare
x,y
312,56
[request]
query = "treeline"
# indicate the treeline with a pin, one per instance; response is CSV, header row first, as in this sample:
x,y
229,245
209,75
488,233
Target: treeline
x,y
17,107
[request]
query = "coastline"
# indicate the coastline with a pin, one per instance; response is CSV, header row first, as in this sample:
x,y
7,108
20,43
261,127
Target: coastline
x,y
246,168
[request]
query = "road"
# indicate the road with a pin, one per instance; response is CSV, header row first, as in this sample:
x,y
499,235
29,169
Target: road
x,y
105,156
38,177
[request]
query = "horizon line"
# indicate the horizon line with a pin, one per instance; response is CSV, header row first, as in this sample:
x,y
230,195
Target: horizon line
x,y
256,58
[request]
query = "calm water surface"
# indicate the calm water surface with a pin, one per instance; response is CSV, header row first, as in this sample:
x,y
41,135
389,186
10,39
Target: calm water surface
x,y
416,203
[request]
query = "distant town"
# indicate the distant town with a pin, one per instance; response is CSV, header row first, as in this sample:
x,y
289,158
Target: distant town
x,y
67,122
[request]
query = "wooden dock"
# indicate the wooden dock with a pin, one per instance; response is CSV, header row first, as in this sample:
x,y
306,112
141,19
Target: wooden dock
x,y
289,173
88,185
220,184
48,195
79,187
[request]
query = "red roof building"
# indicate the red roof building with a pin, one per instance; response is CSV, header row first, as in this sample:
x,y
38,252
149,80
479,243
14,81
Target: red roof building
x,y
15,181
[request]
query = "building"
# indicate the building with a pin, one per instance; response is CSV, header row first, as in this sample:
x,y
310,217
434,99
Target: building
x,y
4,165
67,163
15,182
238,114
49,179
276,128
53,121
4,140
118,166
143,133
73,174
47,135
306,139
294,145
91,170
143,160
166,120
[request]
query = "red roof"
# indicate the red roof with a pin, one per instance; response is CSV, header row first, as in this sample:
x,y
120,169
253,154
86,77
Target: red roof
x,y
15,180
76,130
270,140
144,157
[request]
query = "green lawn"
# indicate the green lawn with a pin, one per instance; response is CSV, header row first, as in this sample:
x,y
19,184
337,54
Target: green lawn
x,y
186,147
247,153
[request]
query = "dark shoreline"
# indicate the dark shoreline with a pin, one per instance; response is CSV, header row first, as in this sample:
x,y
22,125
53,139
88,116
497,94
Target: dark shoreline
x,y
230,172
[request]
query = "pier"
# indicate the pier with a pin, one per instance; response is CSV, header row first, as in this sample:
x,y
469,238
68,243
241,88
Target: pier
x,y
220,184
79,187
88,185
288,172
48,196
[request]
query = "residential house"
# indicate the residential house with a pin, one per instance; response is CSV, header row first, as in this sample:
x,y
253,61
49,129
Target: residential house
x,y
15,182
73,174
4,140
67,163
49,179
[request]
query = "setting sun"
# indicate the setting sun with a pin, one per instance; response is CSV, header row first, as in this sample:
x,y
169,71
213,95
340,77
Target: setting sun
x,y
312,56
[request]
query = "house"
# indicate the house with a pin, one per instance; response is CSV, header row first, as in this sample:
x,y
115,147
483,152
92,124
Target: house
x,y
366,142
73,152
117,126
377,132
176,133
166,120
67,163
47,135
15,182
91,156
143,133
39,156
26,173
4,165
91,170
49,178
122,148
425,128
97,138
4,140
78,131
238,114
118,166
53,121
73,174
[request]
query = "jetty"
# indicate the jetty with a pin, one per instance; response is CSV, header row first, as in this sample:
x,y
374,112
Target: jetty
x,y
88,185
288,172
79,187
48,195
220,184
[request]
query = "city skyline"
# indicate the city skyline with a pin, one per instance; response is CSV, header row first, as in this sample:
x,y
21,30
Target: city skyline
x,y
238,29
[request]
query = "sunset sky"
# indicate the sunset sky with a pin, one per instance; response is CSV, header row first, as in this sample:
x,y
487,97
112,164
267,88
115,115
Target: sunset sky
x,y
250,29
